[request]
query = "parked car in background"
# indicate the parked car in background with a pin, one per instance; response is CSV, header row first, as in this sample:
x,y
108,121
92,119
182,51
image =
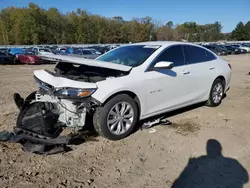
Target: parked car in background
x,y
223,47
15,51
29,58
70,50
29,50
96,51
102,49
233,49
217,50
242,47
61,49
242,51
246,44
4,50
128,84
54,47
42,51
6,58
85,53
58,52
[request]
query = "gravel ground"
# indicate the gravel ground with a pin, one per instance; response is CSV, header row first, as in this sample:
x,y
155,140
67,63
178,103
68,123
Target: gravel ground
x,y
164,156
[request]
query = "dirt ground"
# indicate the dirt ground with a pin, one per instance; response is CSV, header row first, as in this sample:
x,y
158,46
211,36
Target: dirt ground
x,y
149,158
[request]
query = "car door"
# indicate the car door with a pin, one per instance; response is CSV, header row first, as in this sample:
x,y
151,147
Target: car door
x,y
167,88
202,65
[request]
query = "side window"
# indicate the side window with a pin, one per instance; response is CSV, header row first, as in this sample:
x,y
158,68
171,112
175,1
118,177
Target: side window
x,y
173,54
210,56
197,55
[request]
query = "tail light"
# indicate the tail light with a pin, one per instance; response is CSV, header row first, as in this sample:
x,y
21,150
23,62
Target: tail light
x,y
230,66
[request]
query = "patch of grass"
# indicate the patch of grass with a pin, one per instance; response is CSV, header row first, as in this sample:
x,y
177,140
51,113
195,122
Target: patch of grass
x,y
185,128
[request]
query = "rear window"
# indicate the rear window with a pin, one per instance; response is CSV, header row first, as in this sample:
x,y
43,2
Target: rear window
x,y
197,55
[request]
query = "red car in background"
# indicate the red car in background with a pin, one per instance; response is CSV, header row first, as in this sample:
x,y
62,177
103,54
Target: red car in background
x,y
29,58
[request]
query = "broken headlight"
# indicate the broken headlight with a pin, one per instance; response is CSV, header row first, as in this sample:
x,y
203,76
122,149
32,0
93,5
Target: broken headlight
x,y
74,92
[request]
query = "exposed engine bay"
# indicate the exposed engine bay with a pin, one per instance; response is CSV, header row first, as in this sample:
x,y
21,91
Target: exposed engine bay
x,y
86,73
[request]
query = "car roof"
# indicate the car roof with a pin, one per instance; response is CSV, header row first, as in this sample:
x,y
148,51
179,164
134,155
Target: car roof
x,y
163,43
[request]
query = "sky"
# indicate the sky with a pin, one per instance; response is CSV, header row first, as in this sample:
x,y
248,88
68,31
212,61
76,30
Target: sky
x,y
228,12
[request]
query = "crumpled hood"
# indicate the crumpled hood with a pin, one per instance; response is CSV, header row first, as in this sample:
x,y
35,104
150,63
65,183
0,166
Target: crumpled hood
x,y
89,62
60,82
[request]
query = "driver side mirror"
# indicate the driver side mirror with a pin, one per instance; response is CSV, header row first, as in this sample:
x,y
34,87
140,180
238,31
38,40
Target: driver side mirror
x,y
164,65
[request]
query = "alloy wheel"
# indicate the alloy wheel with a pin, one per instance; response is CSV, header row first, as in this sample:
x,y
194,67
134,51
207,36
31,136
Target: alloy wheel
x,y
217,93
120,118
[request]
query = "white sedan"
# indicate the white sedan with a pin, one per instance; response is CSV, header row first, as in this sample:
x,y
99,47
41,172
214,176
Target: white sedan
x,y
130,84
42,51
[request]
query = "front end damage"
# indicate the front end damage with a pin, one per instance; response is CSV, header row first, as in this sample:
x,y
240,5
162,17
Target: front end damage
x,y
45,114
46,111
67,105
64,98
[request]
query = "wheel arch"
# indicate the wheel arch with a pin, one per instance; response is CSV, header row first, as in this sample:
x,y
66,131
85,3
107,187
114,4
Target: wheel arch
x,y
223,79
129,93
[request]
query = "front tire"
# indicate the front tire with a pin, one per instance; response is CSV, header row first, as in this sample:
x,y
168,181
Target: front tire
x,y
216,93
117,118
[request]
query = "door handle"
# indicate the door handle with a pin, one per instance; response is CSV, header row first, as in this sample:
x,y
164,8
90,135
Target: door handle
x,y
185,72
211,68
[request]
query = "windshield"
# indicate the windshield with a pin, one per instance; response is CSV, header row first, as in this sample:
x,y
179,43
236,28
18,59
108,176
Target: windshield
x,y
133,55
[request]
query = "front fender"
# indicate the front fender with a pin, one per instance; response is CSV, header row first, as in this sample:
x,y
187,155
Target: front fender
x,y
108,88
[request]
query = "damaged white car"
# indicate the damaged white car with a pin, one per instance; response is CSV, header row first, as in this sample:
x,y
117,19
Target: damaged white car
x,y
122,87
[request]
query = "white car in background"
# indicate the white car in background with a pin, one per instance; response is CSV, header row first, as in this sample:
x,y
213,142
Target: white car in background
x,y
42,51
242,47
85,53
129,84
61,49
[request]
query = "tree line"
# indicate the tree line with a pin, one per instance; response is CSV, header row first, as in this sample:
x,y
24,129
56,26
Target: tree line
x,y
35,25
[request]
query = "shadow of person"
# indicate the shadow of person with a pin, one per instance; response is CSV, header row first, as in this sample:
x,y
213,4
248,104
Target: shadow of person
x,y
212,171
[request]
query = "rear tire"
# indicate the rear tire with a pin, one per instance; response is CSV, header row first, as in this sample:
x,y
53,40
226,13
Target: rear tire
x,y
117,118
216,93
